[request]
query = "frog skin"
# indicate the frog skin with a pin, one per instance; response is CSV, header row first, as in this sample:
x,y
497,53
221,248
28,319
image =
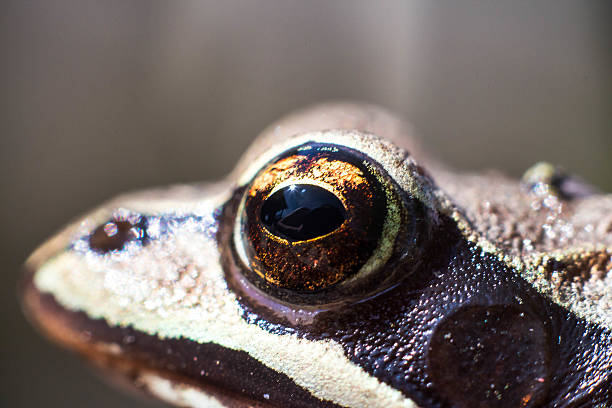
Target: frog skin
x,y
423,287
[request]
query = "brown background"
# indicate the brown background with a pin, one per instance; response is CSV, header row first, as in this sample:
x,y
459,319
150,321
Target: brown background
x,y
102,97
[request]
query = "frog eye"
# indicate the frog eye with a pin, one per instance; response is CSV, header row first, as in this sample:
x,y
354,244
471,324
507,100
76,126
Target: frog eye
x,y
321,222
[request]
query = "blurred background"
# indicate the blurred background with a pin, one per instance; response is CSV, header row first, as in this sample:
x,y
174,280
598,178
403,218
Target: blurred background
x,y
100,97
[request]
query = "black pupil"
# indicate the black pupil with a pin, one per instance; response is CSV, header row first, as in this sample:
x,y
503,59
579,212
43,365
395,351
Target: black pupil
x,y
302,211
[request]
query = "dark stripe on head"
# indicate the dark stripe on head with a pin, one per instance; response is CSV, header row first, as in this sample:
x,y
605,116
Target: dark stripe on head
x,y
213,368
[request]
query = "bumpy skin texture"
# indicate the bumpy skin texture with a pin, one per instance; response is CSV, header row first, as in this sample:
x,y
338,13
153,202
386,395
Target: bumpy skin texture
x,y
505,302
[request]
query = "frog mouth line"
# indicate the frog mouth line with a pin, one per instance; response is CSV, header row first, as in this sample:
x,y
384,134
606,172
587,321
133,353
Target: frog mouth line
x,y
134,354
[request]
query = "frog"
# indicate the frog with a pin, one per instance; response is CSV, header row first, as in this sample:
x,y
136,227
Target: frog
x,y
340,265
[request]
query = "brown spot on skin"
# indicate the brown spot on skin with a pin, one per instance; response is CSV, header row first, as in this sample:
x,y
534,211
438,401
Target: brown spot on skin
x,y
576,268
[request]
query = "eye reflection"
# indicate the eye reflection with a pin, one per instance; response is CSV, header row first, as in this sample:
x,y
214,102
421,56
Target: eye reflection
x,y
300,212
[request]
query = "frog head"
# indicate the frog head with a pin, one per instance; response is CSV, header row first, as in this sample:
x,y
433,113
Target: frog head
x,y
340,266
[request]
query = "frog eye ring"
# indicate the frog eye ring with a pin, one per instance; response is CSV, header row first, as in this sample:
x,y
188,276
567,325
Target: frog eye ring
x,y
321,222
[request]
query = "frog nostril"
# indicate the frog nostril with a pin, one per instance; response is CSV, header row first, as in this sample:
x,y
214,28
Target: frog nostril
x,y
504,350
115,233
299,212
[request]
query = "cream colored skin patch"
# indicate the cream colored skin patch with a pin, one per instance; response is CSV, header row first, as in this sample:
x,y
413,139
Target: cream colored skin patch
x,y
175,286
178,394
